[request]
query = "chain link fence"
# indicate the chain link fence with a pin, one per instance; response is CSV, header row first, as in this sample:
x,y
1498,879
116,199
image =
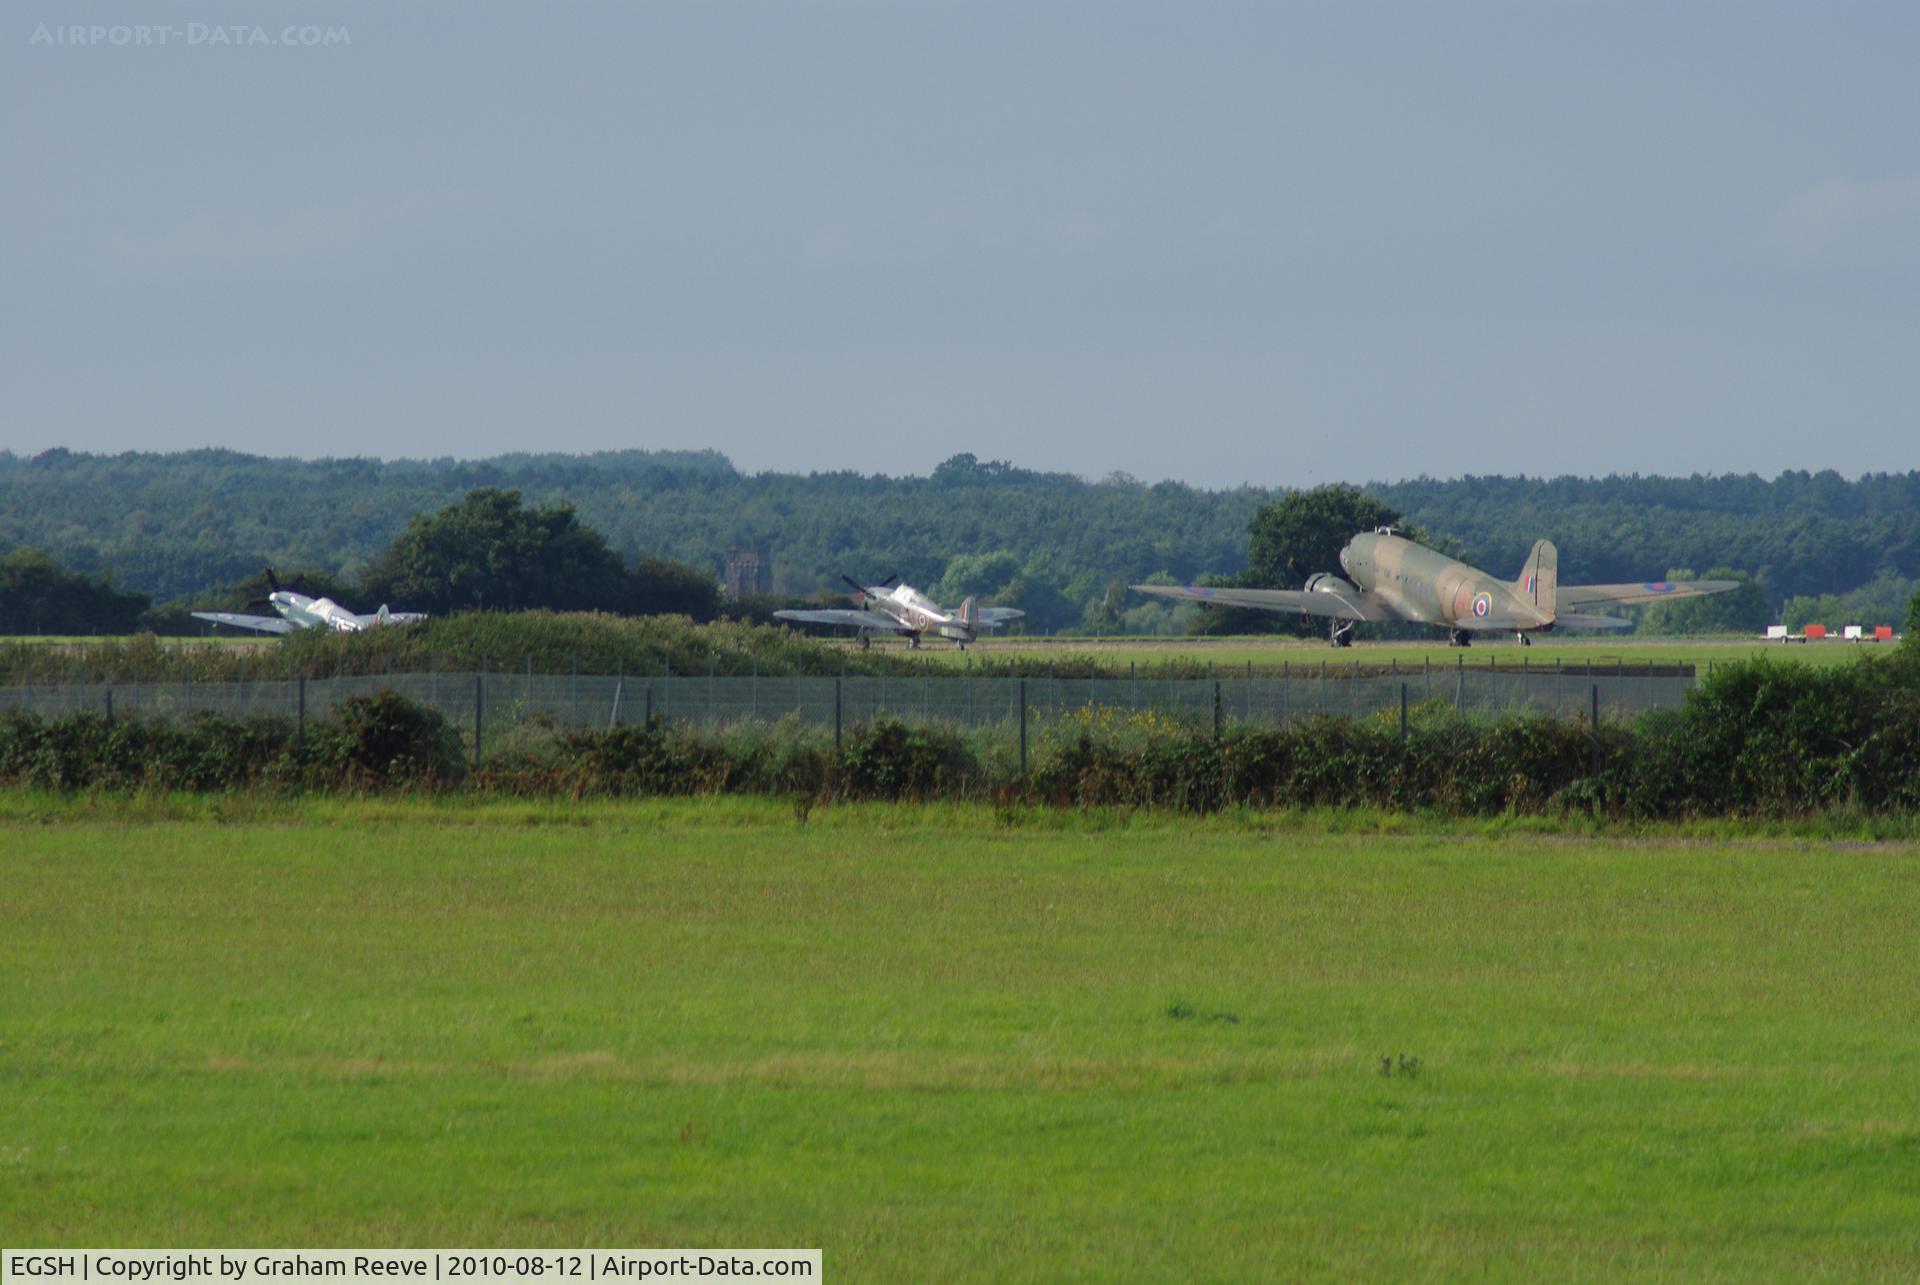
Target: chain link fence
x,y
505,700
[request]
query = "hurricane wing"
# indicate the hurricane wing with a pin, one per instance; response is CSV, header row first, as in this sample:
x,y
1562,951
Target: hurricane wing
x,y
1588,595
1340,606
265,624
843,616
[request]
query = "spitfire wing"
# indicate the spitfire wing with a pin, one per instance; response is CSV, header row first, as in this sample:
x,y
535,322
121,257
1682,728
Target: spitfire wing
x,y
843,616
1340,606
1578,620
405,617
994,617
265,624
1589,595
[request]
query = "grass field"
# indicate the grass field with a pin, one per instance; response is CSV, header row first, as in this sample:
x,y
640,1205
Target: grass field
x,y
942,1047
1270,653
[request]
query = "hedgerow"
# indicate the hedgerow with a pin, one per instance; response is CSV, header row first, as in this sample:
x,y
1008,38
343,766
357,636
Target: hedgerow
x,y
1757,740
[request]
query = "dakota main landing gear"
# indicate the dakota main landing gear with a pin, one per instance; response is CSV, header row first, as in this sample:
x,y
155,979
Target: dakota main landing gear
x,y
1525,639
1341,634
1459,638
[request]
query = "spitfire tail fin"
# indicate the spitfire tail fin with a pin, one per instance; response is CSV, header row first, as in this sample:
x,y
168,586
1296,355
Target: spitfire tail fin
x,y
1539,581
969,614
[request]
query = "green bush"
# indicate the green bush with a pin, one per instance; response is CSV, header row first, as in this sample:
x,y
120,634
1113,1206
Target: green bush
x,y
385,741
890,760
1755,739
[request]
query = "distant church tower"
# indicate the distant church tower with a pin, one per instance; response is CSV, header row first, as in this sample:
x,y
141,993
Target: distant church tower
x,y
749,571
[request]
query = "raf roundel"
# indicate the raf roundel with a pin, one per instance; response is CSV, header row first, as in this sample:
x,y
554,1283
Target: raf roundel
x,y
1482,604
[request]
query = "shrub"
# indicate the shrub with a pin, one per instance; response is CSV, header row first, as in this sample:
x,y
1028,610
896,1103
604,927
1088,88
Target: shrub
x,y
385,741
890,760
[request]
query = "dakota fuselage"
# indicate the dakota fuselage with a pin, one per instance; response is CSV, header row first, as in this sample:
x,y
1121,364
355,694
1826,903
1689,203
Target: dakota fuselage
x,y
1416,583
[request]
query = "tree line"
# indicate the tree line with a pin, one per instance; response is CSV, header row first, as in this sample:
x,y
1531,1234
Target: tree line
x,y
489,551
182,528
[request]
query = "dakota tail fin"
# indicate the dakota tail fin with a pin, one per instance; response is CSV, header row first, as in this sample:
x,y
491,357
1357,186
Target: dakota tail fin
x,y
1539,581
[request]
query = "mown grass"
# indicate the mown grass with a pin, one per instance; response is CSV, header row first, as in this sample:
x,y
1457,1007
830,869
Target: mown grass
x,y
944,1044
1270,653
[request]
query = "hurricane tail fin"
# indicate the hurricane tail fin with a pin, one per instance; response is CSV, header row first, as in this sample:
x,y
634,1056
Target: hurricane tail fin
x,y
1539,581
970,613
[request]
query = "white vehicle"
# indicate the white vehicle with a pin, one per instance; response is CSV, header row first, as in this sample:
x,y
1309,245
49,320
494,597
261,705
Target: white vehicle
x,y
902,609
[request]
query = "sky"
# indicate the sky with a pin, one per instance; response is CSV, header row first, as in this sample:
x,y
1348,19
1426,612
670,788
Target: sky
x,y
1265,243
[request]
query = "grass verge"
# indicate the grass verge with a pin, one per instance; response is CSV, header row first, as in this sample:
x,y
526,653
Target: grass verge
x,y
942,1047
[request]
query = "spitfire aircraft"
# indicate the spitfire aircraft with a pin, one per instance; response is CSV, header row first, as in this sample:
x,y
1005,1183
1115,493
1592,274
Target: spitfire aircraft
x,y
1392,578
297,611
902,609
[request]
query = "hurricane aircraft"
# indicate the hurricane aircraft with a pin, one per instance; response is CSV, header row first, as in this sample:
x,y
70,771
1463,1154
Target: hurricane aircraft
x,y
902,609
1389,577
297,611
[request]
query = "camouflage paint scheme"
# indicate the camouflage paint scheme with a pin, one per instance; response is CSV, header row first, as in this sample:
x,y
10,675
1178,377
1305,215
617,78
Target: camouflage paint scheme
x,y
1389,577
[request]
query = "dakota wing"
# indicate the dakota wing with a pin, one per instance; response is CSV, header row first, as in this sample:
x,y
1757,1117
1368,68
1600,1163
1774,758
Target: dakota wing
x,y
1592,595
1340,606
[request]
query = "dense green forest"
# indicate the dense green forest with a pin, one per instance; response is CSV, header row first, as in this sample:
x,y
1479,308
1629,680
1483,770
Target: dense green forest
x,y
180,526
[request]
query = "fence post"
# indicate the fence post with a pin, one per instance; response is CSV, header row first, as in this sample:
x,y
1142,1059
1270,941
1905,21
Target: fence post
x,y
1023,729
836,713
1403,715
109,704
300,716
478,678
1216,709
646,710
1593,728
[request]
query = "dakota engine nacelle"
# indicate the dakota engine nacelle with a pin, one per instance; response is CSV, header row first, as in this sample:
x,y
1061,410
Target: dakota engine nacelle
x,y
1327,582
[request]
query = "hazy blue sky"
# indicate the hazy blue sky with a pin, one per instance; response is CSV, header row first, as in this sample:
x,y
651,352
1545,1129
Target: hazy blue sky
x,y
1275,243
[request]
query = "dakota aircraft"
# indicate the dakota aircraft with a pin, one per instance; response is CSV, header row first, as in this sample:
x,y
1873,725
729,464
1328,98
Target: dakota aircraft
x,y
297,611
1392,578
902,609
